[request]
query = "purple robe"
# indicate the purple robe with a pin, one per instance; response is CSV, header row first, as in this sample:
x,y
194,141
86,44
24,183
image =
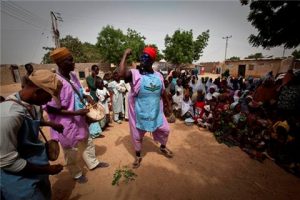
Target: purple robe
x,y
75,126
161,133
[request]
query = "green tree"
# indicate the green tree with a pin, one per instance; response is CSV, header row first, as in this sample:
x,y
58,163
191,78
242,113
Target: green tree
x,y
182,48
110,43
276,23
135,41
233,58
81,52
296,54
46,57
75,46
91,52
255,56
200,44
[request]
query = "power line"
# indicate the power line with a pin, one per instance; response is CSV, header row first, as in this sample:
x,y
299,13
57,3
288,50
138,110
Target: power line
x,y
19,16
15,17
26,12
16,11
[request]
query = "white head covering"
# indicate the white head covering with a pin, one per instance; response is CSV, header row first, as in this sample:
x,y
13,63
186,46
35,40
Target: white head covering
x,y
233,105
216,94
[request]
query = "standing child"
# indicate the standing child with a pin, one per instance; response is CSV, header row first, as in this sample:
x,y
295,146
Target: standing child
x,y
103,96
118,89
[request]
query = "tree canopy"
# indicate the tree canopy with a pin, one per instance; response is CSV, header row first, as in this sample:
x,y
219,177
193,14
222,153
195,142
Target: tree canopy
x,y
277,23
233,58
81,52
135,41
255,56
182,48
111,43
296,54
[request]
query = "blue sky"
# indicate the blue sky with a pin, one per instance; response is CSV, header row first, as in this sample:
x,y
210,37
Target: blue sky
x,y
25,32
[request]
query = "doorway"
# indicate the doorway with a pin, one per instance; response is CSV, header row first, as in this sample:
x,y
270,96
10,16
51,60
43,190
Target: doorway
x,y
15,73
242,70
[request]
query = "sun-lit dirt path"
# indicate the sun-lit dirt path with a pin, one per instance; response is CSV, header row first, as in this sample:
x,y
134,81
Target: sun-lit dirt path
x,y
201,169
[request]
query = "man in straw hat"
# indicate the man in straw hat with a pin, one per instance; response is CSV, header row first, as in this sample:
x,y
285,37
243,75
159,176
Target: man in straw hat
x,y
23,160
75,136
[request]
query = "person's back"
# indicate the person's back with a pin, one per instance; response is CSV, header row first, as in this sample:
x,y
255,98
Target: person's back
x,y
23,160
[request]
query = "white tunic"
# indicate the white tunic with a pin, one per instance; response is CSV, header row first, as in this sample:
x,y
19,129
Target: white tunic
x,y
101,94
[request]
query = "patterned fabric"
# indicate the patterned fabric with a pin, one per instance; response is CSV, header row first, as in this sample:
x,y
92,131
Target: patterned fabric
x,y
289,98
161,133
147,103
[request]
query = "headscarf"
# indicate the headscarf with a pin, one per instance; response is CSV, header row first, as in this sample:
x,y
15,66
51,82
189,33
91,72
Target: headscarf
x,y
151,51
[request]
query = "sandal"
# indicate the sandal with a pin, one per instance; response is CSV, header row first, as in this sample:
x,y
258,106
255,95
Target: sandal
x,y
137,162
82,179
101,165
166,152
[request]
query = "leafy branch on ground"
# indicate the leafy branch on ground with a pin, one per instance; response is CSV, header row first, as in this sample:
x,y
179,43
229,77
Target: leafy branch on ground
x,y
126,173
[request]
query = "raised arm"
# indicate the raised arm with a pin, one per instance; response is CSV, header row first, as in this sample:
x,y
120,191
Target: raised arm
x,y
124,73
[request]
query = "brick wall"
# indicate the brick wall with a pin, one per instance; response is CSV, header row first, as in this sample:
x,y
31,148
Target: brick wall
x,y
255,68
210,67
6,73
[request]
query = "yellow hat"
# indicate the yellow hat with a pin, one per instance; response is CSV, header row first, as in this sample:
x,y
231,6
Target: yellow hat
x,y
59,54
47,81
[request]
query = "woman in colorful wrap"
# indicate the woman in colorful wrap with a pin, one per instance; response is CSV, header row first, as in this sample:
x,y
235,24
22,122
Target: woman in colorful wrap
x,y
145,103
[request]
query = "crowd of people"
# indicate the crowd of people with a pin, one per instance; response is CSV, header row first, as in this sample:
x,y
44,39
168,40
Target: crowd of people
x,y
260,115
25,166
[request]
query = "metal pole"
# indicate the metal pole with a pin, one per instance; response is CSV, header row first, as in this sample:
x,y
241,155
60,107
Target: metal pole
x,y
55,29
226,45
227,37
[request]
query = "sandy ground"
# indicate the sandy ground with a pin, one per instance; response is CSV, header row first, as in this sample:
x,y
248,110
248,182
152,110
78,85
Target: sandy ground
x,y
200,169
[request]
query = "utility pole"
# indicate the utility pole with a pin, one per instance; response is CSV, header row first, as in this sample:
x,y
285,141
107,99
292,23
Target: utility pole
x,y
227,37
54,18
283,52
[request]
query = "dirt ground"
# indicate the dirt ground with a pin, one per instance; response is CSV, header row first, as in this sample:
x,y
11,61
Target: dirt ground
x,y
200,169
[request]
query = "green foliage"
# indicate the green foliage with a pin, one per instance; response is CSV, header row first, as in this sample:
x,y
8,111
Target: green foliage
x,y
182,48
255,56
200,43
75,46
110,43
46,57
124,172
233,58
134,41
81,52
276,22
296,54
91,52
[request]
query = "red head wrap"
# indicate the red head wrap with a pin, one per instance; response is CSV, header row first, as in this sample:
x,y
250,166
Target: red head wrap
x,y
151,52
